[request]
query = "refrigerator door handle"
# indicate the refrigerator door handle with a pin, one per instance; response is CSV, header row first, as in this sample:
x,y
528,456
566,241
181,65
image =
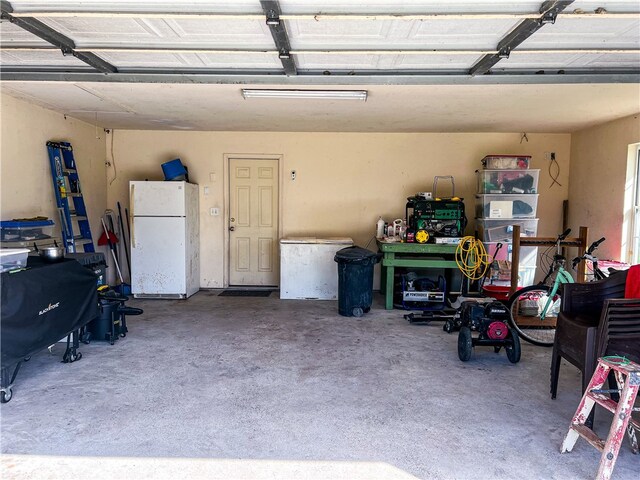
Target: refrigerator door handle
x,y
131,191
132,217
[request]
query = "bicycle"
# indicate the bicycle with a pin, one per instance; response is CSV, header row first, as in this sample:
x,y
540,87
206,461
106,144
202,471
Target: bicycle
x,y
534,309
598,274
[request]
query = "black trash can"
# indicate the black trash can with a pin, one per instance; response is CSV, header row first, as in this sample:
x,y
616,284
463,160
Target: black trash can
x,y
355,280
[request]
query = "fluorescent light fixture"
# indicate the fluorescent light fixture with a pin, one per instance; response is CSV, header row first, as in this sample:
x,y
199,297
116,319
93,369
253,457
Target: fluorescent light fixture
x,y
320,94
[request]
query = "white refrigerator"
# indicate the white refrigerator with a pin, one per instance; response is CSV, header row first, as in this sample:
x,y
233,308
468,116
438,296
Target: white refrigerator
x,y
165,245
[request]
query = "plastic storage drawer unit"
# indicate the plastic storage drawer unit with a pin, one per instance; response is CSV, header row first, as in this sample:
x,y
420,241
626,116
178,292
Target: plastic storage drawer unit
x,y
506,162
13,258
506,206
528,255
508,181
502,230
526,277
20,231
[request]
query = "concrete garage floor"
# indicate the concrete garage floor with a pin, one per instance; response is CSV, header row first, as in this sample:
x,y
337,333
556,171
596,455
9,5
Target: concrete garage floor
x,y
251,388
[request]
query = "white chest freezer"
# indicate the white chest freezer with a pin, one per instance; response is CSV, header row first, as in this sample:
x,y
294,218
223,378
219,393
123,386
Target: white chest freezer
x,y
307,268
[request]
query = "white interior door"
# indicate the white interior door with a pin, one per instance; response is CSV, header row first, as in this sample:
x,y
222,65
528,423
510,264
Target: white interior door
x,y
253,222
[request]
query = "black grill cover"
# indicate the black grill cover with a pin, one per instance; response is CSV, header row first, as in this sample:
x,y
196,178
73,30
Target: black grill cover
x,y
43,304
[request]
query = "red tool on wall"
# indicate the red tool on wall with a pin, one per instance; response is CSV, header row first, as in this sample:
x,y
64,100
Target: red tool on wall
x,y
109,237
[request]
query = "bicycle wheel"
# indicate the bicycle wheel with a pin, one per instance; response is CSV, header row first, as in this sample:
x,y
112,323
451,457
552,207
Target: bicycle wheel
x,y
526,306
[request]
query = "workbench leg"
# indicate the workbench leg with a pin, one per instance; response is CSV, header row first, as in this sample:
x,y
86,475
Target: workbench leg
x,y
388,296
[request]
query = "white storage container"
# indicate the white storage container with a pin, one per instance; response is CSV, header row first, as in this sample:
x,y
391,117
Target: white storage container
x,y
507,181
26,230
307,268
526,277
528,255
506,206
506,161
498,230
13,258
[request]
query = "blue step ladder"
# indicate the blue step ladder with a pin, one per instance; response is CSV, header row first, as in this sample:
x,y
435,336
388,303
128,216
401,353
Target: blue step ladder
x,y
66,185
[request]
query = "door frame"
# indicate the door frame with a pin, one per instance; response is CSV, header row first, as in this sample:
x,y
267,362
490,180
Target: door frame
x,y
226,188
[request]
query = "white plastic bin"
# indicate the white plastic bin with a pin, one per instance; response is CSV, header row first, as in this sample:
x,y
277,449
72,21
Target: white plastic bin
x,y
526,277
506,161
508,181
13,258
506,206
528,255
23,231
498,230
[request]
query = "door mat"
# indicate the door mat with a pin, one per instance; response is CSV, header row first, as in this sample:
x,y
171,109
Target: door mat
x,y
245,293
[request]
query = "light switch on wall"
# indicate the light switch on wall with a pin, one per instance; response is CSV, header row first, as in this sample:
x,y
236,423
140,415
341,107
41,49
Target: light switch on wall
x,y
206,191
214,211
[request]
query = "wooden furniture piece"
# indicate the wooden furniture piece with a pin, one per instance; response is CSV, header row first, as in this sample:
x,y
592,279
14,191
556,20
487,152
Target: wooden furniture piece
x,y
411,255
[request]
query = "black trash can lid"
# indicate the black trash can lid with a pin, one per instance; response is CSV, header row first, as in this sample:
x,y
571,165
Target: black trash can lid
x,y
356,255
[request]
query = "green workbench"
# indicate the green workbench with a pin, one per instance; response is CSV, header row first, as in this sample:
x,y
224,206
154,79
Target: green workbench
x,y
411,255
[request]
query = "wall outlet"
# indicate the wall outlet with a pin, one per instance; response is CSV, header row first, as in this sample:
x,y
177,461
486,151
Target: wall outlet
x,y
206,191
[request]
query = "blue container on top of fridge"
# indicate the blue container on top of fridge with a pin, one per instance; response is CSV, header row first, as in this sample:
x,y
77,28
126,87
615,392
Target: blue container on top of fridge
x,y
174,170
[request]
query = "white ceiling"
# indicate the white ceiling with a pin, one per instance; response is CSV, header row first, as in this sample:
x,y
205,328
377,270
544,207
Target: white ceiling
x,y
421,85
389,108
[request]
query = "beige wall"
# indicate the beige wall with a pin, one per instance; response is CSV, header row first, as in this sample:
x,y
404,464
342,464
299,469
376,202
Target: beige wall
x,y
25,174
597,180
344,180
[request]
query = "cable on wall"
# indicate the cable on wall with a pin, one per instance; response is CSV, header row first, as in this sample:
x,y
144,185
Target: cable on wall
x,y
113,159
554,170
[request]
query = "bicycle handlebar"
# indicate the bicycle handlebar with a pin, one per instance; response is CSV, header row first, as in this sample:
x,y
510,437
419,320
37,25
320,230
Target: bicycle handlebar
x,y
595,245
564,234
588,254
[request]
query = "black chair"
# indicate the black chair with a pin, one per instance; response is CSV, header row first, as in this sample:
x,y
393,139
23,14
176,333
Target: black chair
x,y
581,315
619,331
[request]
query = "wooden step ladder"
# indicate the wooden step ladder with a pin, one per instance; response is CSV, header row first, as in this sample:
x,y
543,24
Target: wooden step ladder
x,y
627,376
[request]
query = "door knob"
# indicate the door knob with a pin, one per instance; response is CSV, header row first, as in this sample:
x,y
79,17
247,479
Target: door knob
x,y
232,228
